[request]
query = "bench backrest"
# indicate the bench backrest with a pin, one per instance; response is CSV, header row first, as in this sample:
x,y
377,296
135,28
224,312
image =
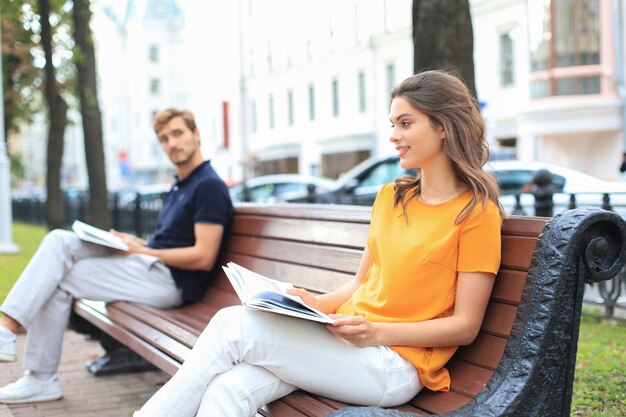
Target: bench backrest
x,y
318,248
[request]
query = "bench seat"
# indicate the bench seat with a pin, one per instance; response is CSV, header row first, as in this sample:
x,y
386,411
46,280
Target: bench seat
x,y
318,247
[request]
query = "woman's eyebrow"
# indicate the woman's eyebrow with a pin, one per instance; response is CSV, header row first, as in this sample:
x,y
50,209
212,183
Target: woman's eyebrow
x,y
400,116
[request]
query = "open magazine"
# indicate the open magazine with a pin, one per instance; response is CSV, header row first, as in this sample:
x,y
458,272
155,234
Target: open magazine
x,y
92,234
263,293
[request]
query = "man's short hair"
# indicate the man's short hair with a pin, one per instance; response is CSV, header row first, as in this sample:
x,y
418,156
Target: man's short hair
x,y
163,117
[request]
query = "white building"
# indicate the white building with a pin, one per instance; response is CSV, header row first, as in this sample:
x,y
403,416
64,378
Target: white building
x,y
140,57
287,86
549,72
314,91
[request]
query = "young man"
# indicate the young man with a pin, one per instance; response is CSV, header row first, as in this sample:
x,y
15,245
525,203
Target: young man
x,y
169,270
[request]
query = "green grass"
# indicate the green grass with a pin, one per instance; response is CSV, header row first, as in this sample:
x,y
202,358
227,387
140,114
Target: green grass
x,y
600,365
27,237
600,370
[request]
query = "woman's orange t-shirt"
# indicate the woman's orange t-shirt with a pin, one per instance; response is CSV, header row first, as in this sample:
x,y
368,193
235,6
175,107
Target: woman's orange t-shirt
x,y
413,269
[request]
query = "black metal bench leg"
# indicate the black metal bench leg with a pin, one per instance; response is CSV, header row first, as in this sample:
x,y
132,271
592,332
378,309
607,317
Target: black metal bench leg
x,y
117,359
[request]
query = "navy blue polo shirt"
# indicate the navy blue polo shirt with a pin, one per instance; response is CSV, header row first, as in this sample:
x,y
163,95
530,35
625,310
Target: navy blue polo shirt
x,y
202,197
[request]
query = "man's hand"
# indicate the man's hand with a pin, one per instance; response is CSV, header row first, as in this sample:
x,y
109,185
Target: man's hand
x,y
355,329
134,243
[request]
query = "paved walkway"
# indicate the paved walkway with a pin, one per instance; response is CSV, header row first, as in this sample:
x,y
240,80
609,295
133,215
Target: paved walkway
x,y
84,394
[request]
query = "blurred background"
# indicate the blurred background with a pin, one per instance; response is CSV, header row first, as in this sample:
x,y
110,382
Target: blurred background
x,y
301,88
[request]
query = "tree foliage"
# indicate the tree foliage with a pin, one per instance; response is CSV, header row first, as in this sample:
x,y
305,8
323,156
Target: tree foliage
x,y
20,77
443,38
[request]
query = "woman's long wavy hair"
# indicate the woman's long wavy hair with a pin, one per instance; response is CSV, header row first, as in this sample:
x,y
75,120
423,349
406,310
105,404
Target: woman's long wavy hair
x,y
448,103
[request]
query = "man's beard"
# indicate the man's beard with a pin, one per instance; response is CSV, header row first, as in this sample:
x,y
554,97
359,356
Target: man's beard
x,y
184,160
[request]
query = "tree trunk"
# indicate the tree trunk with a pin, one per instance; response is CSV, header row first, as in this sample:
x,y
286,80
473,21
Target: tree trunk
x,y
443,38
57,113
98,212
10,65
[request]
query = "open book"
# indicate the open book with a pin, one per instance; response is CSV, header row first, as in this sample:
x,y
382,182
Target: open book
x,y
256,291
94,235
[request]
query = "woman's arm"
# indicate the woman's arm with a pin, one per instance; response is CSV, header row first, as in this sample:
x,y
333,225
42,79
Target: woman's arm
x,y
329,302
472,295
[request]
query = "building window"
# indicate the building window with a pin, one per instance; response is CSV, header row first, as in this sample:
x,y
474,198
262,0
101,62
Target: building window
x,y
155,86
564,34
271,111
290,107
390,73
335,88
253,110
580,85
311,102
153,53
362,95
507,63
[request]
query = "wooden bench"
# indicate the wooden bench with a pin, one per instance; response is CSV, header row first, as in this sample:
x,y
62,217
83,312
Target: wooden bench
x,y
522,362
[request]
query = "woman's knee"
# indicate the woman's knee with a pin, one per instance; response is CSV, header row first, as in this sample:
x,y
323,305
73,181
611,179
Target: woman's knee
x,y
57,236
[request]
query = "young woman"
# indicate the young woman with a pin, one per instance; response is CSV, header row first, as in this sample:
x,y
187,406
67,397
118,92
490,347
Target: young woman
x,y
421,289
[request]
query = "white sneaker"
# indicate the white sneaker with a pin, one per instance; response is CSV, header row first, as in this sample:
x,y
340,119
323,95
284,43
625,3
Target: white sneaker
x,y
29,389
8,350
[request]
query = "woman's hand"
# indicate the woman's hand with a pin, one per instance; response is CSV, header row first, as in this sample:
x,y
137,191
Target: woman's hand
x,y
306,297
355,329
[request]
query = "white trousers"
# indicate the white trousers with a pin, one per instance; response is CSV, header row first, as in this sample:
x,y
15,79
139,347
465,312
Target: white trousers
x,y
65,267
247,358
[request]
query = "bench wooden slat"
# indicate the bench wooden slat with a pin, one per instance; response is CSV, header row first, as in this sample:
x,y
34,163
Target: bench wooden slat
x,y
523,226
439,402
308,404
347,214
508,286
411,409
155,319
486,351
97,315
517,252
499,319
280,408
467,379
321,255
167,344
352,235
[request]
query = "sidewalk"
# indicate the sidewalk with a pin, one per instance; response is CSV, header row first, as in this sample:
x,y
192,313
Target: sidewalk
x,y
84,394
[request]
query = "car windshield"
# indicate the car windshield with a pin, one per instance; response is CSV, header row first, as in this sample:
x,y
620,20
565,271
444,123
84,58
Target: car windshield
x,y
519,180
383,173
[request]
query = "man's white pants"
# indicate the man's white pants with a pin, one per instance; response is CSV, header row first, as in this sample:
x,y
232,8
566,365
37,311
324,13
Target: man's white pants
x,y
65,267
247,358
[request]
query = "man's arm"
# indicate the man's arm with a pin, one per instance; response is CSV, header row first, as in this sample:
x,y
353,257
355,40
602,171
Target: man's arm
x,y
201,256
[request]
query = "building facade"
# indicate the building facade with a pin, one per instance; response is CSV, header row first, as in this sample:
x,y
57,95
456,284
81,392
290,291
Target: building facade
x,y
551,74
310,93
316,89
140,50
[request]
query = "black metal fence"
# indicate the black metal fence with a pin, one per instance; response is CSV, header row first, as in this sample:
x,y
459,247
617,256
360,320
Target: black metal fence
x,y
136,215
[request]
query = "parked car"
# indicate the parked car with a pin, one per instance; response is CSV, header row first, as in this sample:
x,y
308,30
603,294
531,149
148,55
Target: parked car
x,y
515,177
148,194
279,187
361,184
